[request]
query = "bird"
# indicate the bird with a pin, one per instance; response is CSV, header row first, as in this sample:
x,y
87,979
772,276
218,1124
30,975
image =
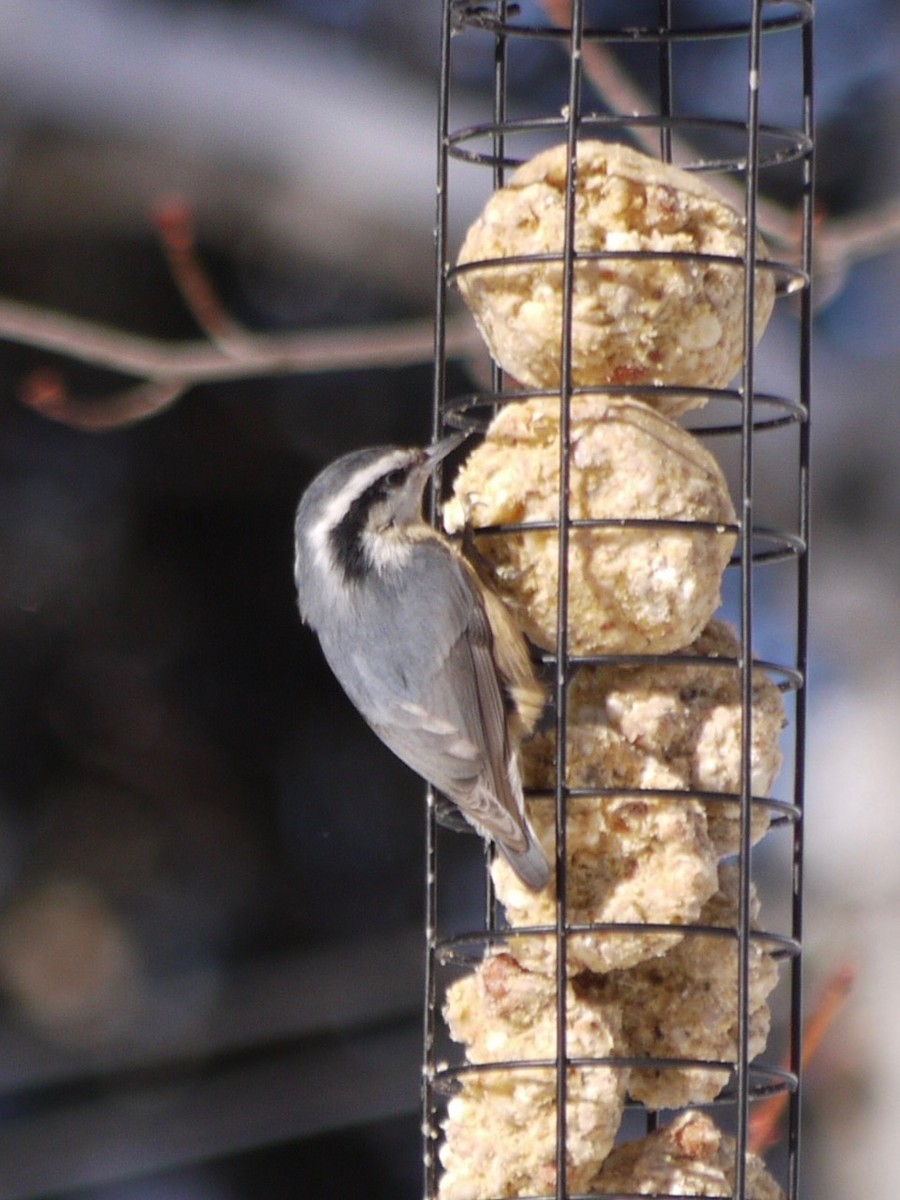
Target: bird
x,y
425,649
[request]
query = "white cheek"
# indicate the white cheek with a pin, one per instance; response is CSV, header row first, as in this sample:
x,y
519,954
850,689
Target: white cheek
x,y
386,553
318,538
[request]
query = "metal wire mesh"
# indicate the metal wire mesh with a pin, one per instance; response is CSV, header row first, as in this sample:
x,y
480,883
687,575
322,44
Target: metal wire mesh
x,y
665,41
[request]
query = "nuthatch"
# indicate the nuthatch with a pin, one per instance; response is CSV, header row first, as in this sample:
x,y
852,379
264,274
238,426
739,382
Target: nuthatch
x,y
429,655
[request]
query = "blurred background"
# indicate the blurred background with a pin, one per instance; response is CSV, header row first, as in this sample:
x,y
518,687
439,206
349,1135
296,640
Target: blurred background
x,y
210,872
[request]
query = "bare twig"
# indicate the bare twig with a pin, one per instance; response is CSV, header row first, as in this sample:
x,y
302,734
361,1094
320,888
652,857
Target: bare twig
x,y
174,222
232,352
171,367
398,344
614,85
45,392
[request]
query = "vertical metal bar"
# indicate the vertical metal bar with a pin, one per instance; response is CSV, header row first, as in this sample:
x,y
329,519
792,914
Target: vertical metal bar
x,y
562,623
500,92
440,237
429,1018
746,601
665,81
664,63
498,140
429,1116
803,567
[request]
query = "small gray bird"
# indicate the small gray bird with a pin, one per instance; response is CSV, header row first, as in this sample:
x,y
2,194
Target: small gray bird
x,y
423,647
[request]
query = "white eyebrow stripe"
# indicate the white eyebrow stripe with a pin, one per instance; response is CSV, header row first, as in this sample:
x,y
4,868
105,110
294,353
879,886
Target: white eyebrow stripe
x,y
338,505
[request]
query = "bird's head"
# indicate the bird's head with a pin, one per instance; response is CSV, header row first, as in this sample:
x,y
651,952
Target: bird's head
x,y
357,517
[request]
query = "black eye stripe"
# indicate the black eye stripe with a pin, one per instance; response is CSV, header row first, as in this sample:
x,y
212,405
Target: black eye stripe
x,y
346,537
396,477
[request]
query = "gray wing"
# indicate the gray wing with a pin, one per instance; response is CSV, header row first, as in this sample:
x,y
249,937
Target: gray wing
x,y
426,683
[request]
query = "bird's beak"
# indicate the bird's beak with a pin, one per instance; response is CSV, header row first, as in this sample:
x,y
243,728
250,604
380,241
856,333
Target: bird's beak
x,y
439,451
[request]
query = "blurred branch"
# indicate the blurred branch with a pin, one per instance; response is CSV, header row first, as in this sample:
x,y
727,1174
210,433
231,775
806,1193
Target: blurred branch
x,y
170,368
398,344
175,225
45,392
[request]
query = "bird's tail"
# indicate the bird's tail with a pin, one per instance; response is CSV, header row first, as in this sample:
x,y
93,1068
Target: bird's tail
x,y
530,864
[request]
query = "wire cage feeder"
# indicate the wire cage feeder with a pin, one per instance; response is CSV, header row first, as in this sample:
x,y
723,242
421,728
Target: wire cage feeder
x,y
723,90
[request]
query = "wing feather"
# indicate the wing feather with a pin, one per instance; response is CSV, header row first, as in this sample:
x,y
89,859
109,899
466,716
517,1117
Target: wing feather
x,y
427,683
428,686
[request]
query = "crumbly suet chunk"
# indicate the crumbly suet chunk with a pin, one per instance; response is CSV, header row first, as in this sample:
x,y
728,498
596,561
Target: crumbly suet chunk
x,y
645,589
500,1132
502,1012
689,717
636,319
685,1005
690,1157
630,859
676,725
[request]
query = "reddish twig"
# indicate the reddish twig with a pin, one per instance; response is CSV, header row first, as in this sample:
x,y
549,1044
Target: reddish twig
x,y
45,392
169,369
613,85
175,224
765,1119
232,352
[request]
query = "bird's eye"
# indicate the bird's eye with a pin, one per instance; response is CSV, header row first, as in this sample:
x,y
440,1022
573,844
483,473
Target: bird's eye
x,y
395,478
